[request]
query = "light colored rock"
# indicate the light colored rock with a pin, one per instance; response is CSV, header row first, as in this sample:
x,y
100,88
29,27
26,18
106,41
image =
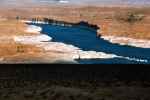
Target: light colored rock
x,y
106,56
58,46
1,59
33,29
128,41
37,22
74,52
95,55
25,21
34,39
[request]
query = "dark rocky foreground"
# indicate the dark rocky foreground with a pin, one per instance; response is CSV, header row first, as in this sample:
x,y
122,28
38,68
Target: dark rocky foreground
x,y
99,73
74,83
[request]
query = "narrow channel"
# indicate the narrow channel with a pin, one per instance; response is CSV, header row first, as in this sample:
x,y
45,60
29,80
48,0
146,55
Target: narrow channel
x,y
87,40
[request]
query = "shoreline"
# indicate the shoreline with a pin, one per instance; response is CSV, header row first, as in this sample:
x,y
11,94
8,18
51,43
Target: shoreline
x,y
107,18
69,52
142,43
47,51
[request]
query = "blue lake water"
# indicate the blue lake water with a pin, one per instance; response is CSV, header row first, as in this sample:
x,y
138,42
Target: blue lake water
x,y
87,40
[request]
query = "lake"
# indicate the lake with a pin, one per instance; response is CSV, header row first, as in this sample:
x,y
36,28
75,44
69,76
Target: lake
x,y
87,40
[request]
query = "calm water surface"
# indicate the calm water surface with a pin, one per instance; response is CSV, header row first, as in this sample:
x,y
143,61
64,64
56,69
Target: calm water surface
x,y
87,40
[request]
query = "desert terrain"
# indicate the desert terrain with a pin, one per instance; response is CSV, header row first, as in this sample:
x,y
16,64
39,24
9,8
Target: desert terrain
x,y
14,52
118,21
112,21
131,22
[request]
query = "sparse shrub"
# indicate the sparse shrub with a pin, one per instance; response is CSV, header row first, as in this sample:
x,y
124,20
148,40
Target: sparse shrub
x,y
17,17
20,48
130,17
133,17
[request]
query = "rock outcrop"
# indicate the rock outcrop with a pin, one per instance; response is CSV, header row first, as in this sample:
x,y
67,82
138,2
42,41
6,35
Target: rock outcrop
x,y
33,29
128,41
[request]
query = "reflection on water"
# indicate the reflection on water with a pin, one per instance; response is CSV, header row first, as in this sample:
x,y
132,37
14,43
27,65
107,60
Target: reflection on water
x,y
87,40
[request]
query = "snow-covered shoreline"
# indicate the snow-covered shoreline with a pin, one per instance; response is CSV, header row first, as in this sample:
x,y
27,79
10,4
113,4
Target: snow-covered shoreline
x,y
71,53
128,41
